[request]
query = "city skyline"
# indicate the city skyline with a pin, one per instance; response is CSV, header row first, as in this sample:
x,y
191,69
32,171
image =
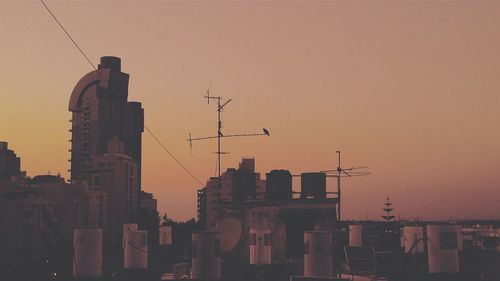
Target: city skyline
x,y
416,104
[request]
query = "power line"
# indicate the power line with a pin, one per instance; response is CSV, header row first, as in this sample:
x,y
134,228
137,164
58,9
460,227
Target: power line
x,y
93,66
69,36
173,157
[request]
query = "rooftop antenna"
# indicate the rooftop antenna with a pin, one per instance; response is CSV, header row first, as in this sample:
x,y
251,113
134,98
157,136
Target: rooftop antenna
x,y
221,104
208,94
340,172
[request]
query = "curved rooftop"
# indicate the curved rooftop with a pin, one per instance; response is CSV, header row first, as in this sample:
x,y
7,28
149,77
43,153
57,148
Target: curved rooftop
x,y
100,77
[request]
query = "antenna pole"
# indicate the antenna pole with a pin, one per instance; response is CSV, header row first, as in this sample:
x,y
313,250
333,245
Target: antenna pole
x,y
339,170
220,108
219,134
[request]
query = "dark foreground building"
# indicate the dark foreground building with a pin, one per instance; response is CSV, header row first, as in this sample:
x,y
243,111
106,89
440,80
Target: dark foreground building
x,y
101,112
106,144
38,216
263,227
10,164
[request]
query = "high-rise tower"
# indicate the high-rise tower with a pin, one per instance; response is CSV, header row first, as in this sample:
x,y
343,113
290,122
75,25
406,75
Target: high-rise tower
x,y
101,112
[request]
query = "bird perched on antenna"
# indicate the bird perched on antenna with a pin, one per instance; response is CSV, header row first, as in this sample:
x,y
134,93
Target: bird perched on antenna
x,y
266,132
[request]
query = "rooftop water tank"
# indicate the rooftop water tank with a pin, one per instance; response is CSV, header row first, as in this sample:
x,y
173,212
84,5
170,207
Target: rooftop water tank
x,y
318,259
279,185
128,227
205,259
136,250
244,185
442,247
355,235
165,235
87,256
313,185
413,239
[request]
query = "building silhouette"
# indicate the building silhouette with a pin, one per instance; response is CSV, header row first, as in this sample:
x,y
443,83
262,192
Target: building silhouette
x,y
105,189
112,188
148,202
10,164
100,112
106,140
247,204
39,215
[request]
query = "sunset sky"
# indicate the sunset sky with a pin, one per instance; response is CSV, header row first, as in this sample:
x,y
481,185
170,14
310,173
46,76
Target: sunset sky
x,y
409,89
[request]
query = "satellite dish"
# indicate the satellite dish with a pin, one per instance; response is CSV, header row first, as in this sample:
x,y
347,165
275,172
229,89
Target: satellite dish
x,y
230,234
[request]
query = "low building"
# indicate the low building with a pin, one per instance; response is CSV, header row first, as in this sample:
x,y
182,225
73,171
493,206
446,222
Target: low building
x,y
38,219
246,203
148,202
10,164
113,190
287,220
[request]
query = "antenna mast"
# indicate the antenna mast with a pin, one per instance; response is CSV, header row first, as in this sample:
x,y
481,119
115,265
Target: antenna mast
x,y
340,172
221,104
219,133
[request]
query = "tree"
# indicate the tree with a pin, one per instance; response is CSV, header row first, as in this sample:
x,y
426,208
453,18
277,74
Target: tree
x,y
388,209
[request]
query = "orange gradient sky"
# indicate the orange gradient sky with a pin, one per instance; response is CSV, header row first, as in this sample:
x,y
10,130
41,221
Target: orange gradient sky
x,y
410,89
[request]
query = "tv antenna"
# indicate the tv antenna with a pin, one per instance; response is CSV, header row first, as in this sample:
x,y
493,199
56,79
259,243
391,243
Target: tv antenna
x,y
340,172
221,104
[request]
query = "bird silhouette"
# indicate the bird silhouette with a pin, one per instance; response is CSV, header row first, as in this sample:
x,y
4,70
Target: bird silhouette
x,y
266,132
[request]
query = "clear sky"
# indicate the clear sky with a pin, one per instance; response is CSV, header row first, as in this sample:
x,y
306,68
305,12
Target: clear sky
x,y
410,89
